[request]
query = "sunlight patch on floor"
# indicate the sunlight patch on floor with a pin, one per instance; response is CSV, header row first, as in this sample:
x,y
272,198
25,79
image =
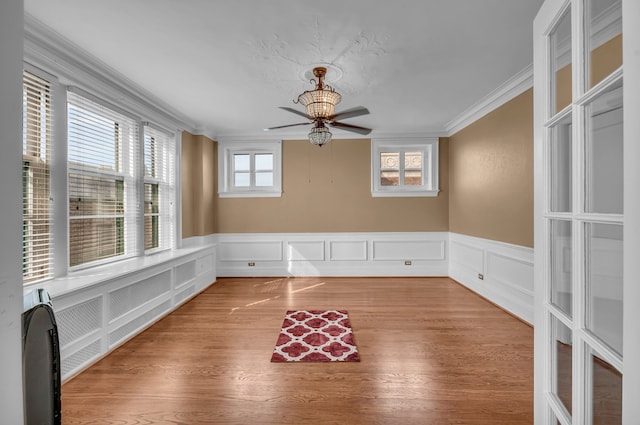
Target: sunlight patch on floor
x,y
262,301
308,287
279,284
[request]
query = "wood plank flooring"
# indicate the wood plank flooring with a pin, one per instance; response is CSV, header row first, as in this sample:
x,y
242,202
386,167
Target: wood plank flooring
x,y
432,352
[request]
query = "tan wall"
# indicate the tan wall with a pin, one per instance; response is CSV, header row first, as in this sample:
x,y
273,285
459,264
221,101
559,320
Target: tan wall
x,y
199,185
491,175
328,189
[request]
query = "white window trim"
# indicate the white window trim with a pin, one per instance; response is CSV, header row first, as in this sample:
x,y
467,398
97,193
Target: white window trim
x,y
129,175
59,190
46,129
429,148
225,169
167,195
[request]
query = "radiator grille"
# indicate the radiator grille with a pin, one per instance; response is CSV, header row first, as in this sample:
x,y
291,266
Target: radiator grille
x,y
181,296
79,320
134,325
185,272
206,263
125,299
80,359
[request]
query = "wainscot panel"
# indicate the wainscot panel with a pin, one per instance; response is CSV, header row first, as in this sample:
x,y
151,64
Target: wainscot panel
x,y
500,272
250,250
408,250
333,254
305,250
348,251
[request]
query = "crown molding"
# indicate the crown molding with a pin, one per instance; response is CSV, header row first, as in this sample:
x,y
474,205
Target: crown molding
x,y
511,88
49,51
207,132
408,136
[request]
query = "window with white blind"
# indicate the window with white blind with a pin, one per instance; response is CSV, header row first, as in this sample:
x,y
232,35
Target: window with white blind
x,y
114,176
102,181
36,182
159,188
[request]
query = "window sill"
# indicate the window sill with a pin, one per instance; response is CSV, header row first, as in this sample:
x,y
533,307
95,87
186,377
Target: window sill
x,y
85,278
253,194
405,194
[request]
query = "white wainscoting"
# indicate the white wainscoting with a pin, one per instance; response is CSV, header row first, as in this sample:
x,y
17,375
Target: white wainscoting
x,y
507,269
98,309
333,254
507,272
95,318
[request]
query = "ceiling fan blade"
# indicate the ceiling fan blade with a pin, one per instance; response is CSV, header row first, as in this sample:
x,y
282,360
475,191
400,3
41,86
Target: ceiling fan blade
x,y
295,111
284,126
350,113
351,127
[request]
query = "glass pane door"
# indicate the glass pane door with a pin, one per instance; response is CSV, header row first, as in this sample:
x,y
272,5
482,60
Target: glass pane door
x,y
579,203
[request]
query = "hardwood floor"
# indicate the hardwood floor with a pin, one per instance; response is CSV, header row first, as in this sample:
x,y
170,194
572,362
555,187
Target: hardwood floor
x,y
432,352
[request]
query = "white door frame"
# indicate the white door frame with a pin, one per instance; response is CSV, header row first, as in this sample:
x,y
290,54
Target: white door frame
x,y
545,20
631,90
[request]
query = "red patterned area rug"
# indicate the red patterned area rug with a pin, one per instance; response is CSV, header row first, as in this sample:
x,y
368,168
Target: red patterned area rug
x,y
316,336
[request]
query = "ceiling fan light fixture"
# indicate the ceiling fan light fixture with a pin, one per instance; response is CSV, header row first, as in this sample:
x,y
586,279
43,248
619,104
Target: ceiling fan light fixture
x,y
320,107
321,102
319,135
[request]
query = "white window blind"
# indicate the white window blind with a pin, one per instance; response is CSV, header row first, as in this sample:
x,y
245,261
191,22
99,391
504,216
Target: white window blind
x,y
36,182
102,154
159,188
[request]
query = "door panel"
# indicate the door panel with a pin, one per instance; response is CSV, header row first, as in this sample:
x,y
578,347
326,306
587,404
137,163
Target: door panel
x,y
581,182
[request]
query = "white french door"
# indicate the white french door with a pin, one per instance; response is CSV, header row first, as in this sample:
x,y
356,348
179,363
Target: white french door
x,y
587,306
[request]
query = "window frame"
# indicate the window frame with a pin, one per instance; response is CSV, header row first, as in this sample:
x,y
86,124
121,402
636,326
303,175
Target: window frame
x,y
37,158
155,216
163,177
59,257
127,170
150,179
428,146
226,171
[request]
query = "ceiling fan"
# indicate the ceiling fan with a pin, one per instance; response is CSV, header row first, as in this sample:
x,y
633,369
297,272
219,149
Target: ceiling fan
x,y
320,111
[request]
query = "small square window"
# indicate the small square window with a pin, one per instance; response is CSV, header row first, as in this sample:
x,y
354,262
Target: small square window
x,y
242,179
264,161
413,168
404,167
250,169
241,162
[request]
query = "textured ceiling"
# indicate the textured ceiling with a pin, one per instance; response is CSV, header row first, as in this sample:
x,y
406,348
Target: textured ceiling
x,y
228,65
